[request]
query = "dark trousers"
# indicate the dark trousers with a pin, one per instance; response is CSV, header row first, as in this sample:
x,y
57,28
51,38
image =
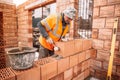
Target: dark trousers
x,y
43,52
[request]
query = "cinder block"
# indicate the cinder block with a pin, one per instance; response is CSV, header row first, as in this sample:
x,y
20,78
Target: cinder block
x,y
6,74
78,45
63,65
68,74
29,74
48,68
66,48
74,60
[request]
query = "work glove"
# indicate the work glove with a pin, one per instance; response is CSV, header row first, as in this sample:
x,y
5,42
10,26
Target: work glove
x,y
64,39
49,40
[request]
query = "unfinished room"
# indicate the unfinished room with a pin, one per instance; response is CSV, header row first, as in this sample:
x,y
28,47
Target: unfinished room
x,y
59,39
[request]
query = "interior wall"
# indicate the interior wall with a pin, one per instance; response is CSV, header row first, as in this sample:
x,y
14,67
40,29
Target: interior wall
x,y
8,30
105,12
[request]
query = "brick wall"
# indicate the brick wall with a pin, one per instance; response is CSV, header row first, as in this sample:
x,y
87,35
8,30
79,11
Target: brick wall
x,y
75,66
103,21
8,29
24,24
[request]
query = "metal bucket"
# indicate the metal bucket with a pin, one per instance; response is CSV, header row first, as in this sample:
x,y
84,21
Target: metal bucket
x,y
21,58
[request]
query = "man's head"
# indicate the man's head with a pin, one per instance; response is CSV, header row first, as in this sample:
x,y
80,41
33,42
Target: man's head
x,y
69,14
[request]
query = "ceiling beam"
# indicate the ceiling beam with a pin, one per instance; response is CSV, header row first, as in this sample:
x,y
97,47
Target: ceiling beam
x,y
38,4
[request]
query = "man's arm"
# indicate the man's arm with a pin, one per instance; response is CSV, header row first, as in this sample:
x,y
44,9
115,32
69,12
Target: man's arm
x,y
42,30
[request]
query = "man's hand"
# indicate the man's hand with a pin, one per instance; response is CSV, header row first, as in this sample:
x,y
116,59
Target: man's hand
x,y
49,40
64,39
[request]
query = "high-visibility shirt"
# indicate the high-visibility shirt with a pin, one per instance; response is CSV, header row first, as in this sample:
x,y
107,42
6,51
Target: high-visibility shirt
x,y
53,26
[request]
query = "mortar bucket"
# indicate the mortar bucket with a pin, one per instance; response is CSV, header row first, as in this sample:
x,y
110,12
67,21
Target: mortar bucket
x,y
21,58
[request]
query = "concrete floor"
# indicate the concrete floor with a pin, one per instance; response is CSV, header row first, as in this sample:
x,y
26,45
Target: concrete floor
x,y
91,78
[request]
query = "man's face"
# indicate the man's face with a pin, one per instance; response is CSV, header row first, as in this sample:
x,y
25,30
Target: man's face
x,y
67,19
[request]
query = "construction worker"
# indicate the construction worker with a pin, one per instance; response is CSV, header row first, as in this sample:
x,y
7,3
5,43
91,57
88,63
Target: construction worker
x,y
52,29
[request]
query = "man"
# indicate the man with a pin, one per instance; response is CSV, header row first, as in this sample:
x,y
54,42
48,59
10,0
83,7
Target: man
x,y
53,28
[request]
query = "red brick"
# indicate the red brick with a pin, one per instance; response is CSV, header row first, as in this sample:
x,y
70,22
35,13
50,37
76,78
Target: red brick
x,y
63,65
105,34
85,65
117,10
118,38
78,45
109,22
94,33
77,69
87,73
107,11
107,45
105,65
58,77
80,77
103,55
66,48
100,2
93,53
48,68
98,44
96,12
88,54
118,70
74,1
96,63
99,23
82,56
116,60
74,60
100,74
6,74
87,44
68,75
113,1
28,74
